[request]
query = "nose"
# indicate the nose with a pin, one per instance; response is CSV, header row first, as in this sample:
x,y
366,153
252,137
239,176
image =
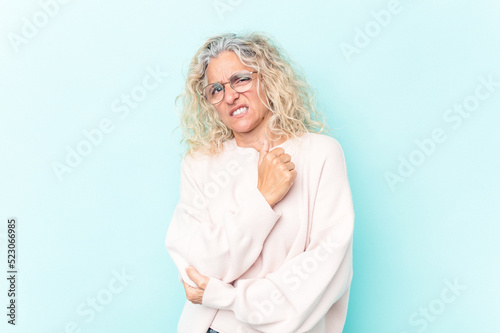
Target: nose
x,y
230,94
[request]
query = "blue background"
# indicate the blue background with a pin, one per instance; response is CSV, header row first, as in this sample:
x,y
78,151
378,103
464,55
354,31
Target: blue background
x,y
110,214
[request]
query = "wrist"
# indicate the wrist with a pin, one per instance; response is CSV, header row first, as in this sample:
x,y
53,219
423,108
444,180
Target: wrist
x,y
270,202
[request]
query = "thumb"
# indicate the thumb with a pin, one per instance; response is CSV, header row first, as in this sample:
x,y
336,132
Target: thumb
x,y
263,150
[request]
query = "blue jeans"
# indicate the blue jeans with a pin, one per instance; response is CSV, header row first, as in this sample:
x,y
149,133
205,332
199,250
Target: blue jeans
x,y
212,331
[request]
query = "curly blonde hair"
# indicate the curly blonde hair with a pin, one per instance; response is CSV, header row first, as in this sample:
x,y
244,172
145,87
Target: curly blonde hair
x,y
287,94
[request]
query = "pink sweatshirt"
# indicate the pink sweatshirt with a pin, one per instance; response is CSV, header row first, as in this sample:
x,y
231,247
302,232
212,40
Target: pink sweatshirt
x,y
281,269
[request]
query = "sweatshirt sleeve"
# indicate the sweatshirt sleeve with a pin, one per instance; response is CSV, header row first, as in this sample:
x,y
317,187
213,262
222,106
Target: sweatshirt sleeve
x,y
298,294
221,249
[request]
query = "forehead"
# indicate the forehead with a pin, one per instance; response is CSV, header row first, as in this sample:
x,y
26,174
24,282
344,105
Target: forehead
x,y
219,69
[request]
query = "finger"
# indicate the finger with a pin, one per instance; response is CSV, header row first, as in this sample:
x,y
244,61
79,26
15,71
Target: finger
x,y
194,295
263,150
285,158
277,151
188,289
290,165
200,280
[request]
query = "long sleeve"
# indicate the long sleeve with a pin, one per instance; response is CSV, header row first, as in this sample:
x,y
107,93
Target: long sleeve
x,y
226,249
300,292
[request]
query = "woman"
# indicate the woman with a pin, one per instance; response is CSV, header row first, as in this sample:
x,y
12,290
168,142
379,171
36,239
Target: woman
x,y
265,219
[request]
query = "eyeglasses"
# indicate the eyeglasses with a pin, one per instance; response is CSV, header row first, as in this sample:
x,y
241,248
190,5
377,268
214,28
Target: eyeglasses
x,y
240,82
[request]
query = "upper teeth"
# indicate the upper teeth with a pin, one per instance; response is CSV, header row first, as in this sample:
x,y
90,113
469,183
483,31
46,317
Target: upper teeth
x,y
240,111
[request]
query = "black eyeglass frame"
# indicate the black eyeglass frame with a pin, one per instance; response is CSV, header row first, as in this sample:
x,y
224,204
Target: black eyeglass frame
x,y
223,84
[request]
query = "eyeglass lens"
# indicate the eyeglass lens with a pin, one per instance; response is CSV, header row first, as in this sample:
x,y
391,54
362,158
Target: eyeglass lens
x,y
240,82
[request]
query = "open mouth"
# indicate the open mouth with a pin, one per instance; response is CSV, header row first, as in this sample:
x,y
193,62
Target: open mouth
x,y
240,112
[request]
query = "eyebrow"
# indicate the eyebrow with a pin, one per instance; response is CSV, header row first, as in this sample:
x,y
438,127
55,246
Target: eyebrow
x,y
230,76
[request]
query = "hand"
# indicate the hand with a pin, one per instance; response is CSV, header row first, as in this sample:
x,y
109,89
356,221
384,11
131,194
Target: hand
x,y
195,295
276,173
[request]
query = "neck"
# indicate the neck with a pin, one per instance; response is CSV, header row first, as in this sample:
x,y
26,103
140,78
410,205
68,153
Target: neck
x,y
255,138
257,142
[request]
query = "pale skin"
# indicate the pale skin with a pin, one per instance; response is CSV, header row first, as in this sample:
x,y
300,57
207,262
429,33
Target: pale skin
x,y
276,171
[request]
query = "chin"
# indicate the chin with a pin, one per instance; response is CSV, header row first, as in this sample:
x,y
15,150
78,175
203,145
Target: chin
x,y
243,128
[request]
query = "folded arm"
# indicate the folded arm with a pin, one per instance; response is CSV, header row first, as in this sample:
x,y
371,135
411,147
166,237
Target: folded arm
x,y
297,295
223,250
